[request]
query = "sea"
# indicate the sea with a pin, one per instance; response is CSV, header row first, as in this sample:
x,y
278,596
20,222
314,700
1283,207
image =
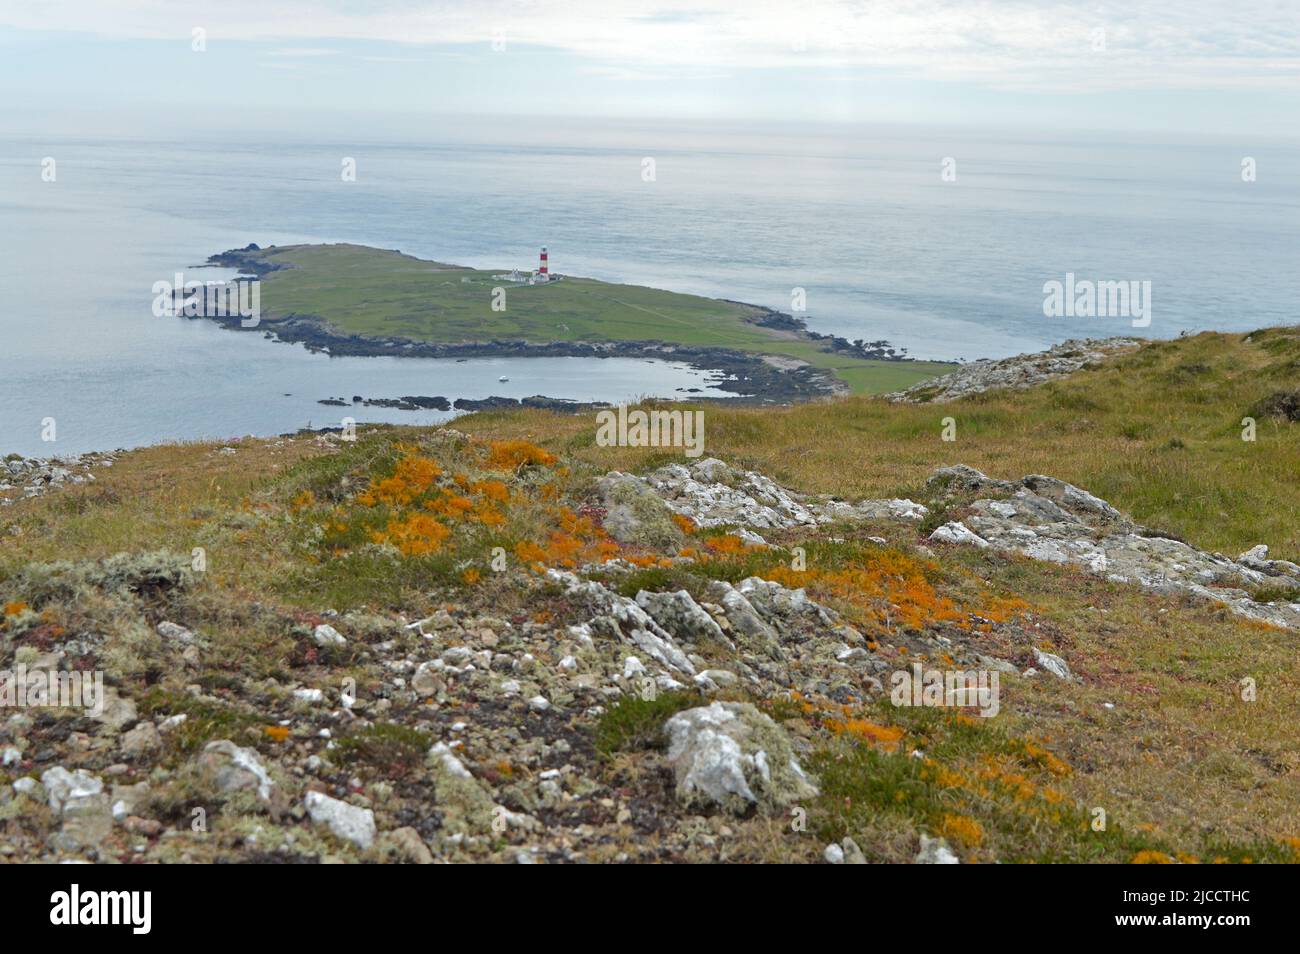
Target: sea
x,y
937,241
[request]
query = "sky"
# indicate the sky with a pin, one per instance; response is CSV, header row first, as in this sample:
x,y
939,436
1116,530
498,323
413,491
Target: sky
x,y
1142,66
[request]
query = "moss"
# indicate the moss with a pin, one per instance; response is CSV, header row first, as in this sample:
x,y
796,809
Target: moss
x,y
122,575
634,724
204,721
783,786
388,749
1276,594
467,807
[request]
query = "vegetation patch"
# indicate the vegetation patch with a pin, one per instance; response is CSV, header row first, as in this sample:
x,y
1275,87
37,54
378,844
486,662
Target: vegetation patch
x,y
634,724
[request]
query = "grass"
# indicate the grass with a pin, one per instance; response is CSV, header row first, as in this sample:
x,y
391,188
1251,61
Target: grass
x,y
992,796
375,292
389,749
633,723
1160,442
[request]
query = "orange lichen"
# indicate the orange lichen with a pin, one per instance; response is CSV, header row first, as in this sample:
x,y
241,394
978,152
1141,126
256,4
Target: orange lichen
x,y
530,552
511,455
1044,759
963,830
884,736
412,476
727,545
417,535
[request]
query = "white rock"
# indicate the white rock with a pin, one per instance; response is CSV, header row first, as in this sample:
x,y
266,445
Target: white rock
x,y
935,851
833,854
327,635
233,768
454,766
1054,664
348,822
957,532
64,789
731,755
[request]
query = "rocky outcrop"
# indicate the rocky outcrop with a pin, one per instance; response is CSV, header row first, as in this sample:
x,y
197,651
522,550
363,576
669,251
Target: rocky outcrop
x,y
1048,519
729,755
710,493
1017,373
25,477
635,514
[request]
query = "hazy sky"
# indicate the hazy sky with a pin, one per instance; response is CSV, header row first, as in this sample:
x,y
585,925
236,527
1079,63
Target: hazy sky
x,y
1219,67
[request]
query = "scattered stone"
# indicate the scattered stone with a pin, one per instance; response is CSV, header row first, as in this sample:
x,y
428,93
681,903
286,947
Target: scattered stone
x,y
852,853
348,822
635,514
64,788
957,532
233,769
1054,664
1050,520
118,710
175,633
409,847
680,615
141,740
327,635
711,494
935,851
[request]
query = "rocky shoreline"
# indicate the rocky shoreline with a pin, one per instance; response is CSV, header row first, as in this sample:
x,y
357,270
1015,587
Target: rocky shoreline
x,y
439,403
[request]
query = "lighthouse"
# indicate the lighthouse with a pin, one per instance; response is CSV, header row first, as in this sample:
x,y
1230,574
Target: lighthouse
x,y
542,269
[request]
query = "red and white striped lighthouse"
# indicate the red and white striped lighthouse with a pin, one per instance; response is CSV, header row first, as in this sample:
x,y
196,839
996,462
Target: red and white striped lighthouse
x,y
542,269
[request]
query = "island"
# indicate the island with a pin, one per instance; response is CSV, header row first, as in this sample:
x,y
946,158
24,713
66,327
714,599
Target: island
x,y
349,299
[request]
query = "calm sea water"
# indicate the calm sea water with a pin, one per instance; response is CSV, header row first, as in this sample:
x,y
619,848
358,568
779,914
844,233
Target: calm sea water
x,y
862,221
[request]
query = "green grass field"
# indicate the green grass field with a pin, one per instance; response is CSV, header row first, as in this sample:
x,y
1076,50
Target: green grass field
x,y
376,292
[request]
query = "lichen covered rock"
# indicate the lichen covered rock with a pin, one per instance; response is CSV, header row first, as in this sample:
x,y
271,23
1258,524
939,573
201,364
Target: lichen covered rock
x,y
729,755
